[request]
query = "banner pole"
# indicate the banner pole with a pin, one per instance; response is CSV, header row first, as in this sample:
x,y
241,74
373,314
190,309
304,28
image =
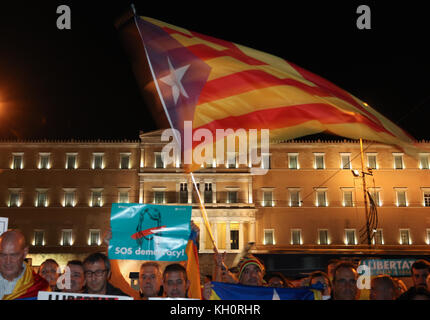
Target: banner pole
x,y
204,214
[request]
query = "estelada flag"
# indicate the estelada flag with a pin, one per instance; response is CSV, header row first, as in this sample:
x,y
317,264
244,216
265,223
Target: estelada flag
x,y
218,84
229,291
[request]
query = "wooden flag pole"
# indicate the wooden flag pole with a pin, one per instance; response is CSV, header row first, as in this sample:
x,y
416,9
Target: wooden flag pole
x,y
204,214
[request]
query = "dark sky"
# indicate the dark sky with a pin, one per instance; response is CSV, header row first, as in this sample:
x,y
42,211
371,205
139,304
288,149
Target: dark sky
x,y
78,83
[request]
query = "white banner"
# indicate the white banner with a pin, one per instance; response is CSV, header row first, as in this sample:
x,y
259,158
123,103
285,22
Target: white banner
x,y
3,224
46,295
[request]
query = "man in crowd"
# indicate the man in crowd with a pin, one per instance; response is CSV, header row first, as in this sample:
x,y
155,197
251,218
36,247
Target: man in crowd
x,y
97,273
251,271
17,280
77,277
49,270
345,282
175,281
383,287
419,272
150,280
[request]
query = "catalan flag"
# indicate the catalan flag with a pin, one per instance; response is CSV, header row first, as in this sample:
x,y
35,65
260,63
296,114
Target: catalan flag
x,y
218,84
193,267
28,286
229,291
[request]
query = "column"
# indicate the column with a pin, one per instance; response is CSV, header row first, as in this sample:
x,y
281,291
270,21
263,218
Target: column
x,y
241,235
141,192
213,192
202,235
250,190
227,236
142,158
190,192
215,232
252,231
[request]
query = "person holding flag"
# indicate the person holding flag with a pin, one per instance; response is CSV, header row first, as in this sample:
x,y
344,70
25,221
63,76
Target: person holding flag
x,y
17,280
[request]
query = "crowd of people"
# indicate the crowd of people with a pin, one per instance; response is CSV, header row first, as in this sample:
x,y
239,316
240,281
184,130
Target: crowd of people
x,y
338,282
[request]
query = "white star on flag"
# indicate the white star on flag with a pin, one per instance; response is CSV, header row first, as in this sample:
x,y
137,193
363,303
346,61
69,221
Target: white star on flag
x,y
275,295
174,80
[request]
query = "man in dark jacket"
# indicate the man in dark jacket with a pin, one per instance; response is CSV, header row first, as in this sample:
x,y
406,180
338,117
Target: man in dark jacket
x,y
419,273
97,273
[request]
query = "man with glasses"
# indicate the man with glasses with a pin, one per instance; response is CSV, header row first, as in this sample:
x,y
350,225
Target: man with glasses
x,y
97,273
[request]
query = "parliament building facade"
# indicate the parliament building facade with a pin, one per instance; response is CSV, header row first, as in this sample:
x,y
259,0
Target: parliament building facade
x,y
309,204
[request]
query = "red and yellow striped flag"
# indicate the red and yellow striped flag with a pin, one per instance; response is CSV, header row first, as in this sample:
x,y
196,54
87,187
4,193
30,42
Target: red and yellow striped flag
x,y
218,84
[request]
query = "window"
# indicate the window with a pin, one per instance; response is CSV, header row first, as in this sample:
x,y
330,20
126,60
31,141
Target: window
x,y
234,236
350,237
96,198
401,198
319,161
69,197
98,160
231,160
321,198
125,161
44,160
268,199
398,161
159,164
269,236
17,162
371,161
345,160
183,193
323,236
39,238
294,198
71,160
266,161
347,198
405,236
66,237
123,196
293,161
296,237
208,193
14,197
42,198
159,197
231,196
424,161
94,238
377,237
427,199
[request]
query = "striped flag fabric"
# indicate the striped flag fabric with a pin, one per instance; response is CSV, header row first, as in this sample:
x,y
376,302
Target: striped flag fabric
x,y
218,84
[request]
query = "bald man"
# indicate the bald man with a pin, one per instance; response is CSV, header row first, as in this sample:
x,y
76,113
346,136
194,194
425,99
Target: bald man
x,y
17,279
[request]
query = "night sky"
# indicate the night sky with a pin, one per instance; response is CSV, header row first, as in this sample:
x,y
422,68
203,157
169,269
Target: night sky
x,y
78,83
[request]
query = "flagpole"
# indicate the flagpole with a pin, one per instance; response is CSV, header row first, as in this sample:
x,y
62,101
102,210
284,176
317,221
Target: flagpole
x,y
365,193
204,214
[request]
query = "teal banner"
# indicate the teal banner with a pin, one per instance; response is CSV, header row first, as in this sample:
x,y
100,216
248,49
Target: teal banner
x,y
149,232
391,267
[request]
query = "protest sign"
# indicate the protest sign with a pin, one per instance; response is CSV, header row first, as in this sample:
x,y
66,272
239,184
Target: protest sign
x,y
149,232
48,295
392,267
3,224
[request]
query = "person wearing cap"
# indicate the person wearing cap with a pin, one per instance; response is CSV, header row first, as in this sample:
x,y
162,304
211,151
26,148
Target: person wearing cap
x,y
251,271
